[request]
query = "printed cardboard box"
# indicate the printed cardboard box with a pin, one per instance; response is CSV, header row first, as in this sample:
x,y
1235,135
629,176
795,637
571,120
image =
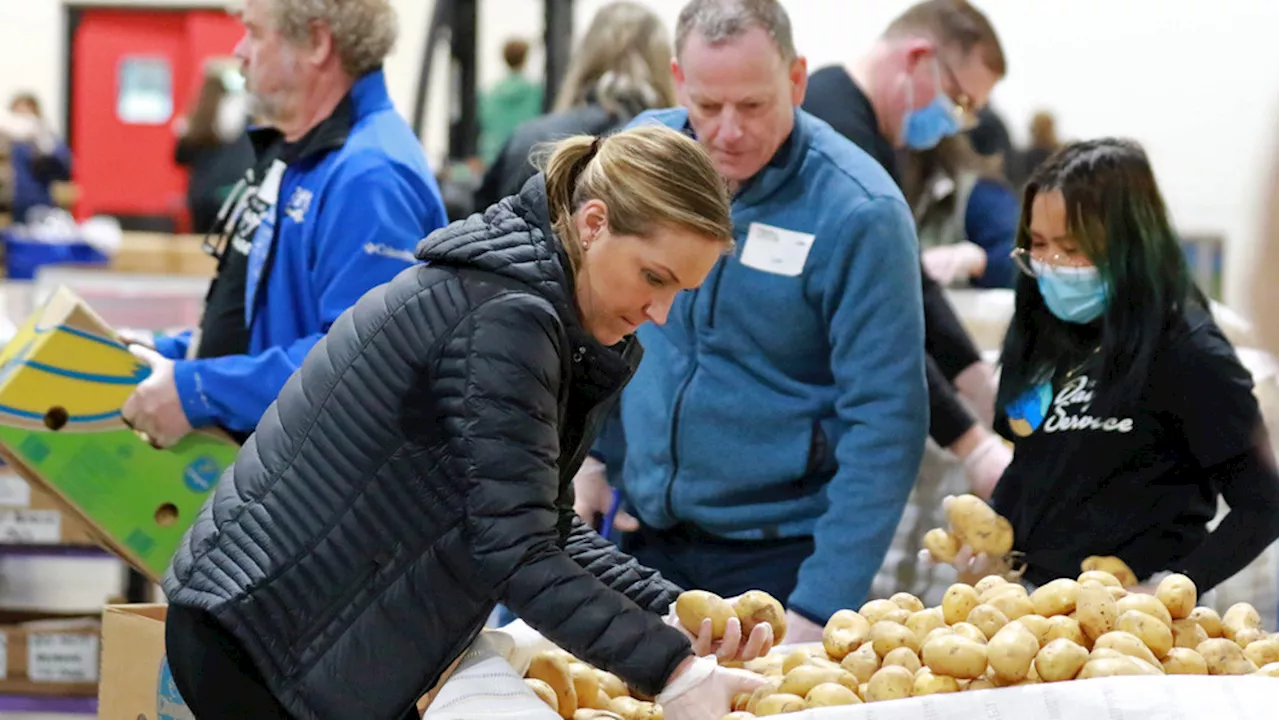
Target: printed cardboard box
x,y
63,379
136,682
50,657
34,516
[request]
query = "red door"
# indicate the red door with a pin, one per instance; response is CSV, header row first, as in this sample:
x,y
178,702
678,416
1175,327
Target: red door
x,y
133,72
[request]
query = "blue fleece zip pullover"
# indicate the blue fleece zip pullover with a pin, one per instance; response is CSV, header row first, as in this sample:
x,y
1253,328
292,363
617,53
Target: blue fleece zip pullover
x,y
786,396
344,223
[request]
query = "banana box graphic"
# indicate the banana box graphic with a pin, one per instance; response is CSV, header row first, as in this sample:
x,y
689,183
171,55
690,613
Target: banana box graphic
x,y
63,380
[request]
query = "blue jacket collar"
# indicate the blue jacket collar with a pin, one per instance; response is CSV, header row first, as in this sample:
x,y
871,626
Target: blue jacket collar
x,y
367,96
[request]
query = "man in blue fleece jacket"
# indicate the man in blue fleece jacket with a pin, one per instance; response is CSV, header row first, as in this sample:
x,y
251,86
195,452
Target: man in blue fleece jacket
x,y
775,427
339,198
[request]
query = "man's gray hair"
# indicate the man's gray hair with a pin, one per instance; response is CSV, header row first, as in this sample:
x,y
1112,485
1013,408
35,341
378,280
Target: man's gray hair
x,y
722,20
364,31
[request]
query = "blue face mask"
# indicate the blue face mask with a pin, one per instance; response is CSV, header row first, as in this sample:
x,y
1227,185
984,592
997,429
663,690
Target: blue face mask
x,y
923,129
1076,295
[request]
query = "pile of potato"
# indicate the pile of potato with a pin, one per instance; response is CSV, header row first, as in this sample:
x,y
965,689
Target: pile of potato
x,y
578,691
988,635
994,634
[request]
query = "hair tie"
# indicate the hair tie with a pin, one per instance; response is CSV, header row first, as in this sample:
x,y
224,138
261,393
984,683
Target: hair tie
x,y
581,166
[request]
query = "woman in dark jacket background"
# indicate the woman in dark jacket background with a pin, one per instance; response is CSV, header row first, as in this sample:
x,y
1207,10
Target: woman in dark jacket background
x,y
621,68
417,469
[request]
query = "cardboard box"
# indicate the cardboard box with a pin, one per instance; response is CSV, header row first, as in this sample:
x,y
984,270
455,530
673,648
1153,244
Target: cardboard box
x,y
136,682
163,254
50,657
33,516
63,379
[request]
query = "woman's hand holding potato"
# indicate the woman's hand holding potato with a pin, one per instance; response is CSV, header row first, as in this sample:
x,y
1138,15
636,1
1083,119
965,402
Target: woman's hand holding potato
x,y
719,626
976,543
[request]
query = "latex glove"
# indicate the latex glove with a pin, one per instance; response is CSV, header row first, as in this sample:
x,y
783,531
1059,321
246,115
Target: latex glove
x,y
948,263
977,383
801,629
593,496
970,566
517,643
154,410
705,691
730,647
985,465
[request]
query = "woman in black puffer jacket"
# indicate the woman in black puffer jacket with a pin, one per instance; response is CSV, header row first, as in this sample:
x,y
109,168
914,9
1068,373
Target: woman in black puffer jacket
x,y
417,469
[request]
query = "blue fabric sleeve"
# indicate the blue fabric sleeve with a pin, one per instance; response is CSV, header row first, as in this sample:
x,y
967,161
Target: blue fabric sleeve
x,y
173,347
368,225
874,311
991,222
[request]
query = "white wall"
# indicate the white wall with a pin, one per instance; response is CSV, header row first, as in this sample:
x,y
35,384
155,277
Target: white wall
x,y
1194,81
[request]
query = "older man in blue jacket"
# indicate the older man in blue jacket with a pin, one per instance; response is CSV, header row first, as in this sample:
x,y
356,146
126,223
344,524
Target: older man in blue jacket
x,y
339,198
775,427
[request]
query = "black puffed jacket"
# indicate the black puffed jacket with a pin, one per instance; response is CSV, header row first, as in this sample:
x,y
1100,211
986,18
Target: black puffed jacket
x,y
416,471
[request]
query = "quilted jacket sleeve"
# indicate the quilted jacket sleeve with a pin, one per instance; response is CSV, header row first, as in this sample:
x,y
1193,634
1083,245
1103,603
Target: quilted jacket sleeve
x,y
505,437
646,588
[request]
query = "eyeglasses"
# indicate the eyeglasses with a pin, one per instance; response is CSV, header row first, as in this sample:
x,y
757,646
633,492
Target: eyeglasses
x,y
1034,264
963,106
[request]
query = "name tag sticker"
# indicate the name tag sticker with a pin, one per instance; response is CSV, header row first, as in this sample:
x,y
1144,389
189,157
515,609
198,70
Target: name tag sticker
x,y
775,250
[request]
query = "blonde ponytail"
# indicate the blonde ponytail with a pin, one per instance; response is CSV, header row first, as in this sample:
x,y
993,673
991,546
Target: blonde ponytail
x,y
648,176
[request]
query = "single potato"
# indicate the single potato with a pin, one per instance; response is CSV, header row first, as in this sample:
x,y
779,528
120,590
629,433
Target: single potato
x,y
1269,670
903,656
982,683
1011,652
1184,661
971,631
1224,657
1188,633
887,636
924,622
831,695
1248,636
876,610
1178,593
844,632
986,596
1145,604
987,583
1108,667
959,600
1059,660
955,656
552,669
1113,565
862,663
1126,643
907,601
988,619
1264,651
1238,617
890,683
927,683
779,704
806,677
1157,636
1095,611
757,606
1039,626
1057,597
977,525
1013,605
1101,577
611,684
1067,628
544,693
586,684
1208,619
694,606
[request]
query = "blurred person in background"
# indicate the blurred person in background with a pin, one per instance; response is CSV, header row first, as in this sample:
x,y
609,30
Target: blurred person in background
x,y
621,68
786,396
1044,142
1129,411
923,80
512,101
340,195
418,468
213,144
39,157
966,214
